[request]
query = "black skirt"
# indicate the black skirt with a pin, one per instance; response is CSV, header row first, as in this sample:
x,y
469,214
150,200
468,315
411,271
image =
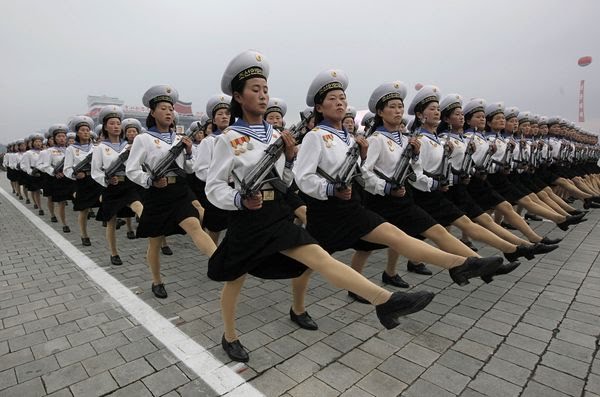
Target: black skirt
x,y
87,194
34,183
21,177
165,208
254,241
62,189
547,175
505,187
340,224
292,198
483,193
116,200
11,174
532,182
196,185
459,195
401,212
438,206
47,185
215,219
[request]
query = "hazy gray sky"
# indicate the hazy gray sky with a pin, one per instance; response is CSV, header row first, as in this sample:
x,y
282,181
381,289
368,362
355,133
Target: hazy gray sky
x,y
55,53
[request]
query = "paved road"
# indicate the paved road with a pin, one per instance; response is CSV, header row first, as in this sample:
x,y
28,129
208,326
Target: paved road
x,y
531,333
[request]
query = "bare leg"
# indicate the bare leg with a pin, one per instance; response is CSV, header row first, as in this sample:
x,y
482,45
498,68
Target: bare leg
x,y
51,206
447,242
515,219
61,213
486,221
558,200
82,218
479,233
111,235
137,207
214,236
200,209
541,211
359,260
299,288
153,258
229,297
551,203
202,241
300,213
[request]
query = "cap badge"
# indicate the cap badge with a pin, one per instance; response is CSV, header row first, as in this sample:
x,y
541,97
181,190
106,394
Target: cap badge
x,y
258,57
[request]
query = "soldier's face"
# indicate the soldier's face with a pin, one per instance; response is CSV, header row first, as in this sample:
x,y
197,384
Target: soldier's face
x,y
456,119
221,118
255,96
84,133
349,125
164,114
113,126
60,139
334,105
131,133
392,112
275,119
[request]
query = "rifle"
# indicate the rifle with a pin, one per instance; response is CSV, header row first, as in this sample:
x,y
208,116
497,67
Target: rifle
x,y
505,163
467,163
346,172
117,165
165,165
403,169
58,168
84,165
259,175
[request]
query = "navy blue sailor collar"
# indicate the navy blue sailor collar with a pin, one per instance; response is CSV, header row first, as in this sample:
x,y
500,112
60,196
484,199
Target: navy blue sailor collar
x,y
167,137
395,136
117,147
432,136
244,128
343,135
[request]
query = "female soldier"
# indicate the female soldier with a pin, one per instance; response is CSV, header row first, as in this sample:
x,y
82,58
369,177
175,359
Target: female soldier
x,y
214,220
385,196
87,191
29,165
120,197
260,239
168,207
497,172
60,188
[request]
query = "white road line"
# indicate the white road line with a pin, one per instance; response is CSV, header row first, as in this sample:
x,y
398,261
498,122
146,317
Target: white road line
x,y
214,373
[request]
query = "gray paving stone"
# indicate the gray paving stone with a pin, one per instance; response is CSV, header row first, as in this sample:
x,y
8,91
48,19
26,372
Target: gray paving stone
x,y
424,388
11,360
75,354
87,335
338,376
299,368
31,388
418,354
102,362
109,342
535,389
559,381
321,353
36,368
7,378
165,380
21,342
131,371
571,350
493,386
565,364
273,383
64,377
460,362
507,371
19,319
95,386
473,349
313,387
137,389
354,391
136,350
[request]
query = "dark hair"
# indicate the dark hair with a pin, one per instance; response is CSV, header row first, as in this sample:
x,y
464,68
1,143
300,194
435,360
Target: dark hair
x,y
77,131
419,109
444,126
104,133
150,120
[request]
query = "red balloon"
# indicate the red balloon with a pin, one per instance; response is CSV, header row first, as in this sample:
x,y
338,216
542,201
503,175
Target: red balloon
x,y
418,86
584,61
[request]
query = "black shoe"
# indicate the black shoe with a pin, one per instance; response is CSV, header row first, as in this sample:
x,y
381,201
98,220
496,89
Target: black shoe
x,y
131,235
120,222
507,226
41,212
35,207
571,220
469,244
475,267
541,248
21,198
418,268
53,219
358,298
401,304
235,350
304,320
522,251
569,200
577,212
532,217
166,250
503,269
159,291
394,280
550,241
596,199
116,260
588,203
27,201
104,223
66,229
86,241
